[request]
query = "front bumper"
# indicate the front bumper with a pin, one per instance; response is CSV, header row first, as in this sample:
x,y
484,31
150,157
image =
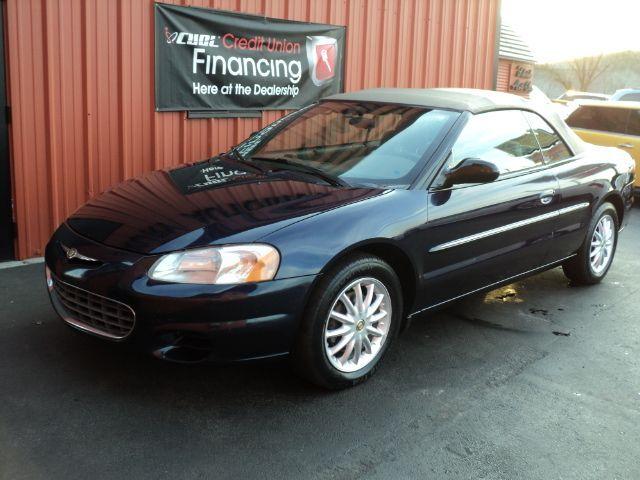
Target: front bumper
x,y
180,322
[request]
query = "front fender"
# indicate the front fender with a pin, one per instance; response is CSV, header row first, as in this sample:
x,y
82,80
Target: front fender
x,y
309,246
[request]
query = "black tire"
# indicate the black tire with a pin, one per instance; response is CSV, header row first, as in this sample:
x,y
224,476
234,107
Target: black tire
x,y
308,357
579,269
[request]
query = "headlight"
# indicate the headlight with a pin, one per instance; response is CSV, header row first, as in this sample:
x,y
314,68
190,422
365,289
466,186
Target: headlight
x,y
218,265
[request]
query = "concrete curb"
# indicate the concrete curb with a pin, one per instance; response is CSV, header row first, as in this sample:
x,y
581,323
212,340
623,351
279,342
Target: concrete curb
x,y
21,263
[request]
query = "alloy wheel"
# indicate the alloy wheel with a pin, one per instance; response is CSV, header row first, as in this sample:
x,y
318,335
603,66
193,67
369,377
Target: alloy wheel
x,y
358,324
601,249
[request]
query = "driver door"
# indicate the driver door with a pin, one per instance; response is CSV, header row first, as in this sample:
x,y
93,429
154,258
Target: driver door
x,y
480,234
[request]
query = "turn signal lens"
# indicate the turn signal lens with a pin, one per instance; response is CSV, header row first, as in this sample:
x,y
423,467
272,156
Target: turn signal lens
x,y
218,265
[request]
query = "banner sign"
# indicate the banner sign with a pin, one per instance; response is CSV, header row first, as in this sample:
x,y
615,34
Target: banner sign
x,y
218,60
520,78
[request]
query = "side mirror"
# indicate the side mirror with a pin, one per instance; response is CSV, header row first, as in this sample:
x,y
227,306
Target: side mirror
x,y
471,170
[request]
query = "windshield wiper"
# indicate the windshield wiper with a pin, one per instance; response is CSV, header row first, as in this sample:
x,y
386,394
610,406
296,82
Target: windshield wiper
x,y
327,177
235,154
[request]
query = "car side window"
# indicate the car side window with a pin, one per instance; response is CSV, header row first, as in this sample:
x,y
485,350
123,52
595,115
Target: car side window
x,y
631,97
604,119
553,147
502,137
633,127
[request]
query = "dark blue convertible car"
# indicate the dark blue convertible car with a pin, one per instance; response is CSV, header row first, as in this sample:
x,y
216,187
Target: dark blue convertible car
x,y
319,236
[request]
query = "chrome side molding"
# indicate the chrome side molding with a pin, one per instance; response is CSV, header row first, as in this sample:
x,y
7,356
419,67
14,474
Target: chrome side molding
x,y
510,226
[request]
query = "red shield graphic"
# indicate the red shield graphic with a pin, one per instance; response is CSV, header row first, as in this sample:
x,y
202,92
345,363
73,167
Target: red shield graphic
x,y
325,61
324,57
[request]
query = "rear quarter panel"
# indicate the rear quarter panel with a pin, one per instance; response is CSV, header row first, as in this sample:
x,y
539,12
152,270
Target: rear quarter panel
x,y
596,175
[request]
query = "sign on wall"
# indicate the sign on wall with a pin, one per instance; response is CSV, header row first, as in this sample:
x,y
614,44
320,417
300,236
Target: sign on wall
x,y
521,77
218,60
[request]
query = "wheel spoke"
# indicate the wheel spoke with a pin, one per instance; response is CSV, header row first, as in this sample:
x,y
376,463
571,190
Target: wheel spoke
x,y
341,344
597,234
348,304
359,302
338,332
357,349
376,303
366,343
374,331
598,260
342,318
344,358
369,297
378,316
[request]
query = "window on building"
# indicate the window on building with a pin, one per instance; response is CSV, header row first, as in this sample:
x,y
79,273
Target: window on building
x,y
503,138
604,119
553,147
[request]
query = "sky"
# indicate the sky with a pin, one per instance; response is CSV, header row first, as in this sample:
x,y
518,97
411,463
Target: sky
x,y
563,29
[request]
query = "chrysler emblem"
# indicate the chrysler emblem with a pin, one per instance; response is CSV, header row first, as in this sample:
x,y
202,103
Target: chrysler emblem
x,y
72,253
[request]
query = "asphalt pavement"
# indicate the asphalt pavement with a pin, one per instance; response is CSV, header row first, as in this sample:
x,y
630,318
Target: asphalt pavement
x,y
537,380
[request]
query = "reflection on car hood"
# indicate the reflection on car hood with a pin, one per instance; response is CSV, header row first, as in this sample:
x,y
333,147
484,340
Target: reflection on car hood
x,y
210,202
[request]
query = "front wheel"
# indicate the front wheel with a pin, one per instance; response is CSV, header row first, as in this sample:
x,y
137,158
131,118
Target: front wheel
x,y
594,258
351,319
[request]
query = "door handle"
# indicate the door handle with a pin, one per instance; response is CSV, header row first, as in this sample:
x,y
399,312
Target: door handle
x,y
546,197
625,145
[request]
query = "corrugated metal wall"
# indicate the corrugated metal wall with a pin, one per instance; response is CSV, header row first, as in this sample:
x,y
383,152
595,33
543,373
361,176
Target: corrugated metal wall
x,y
504,70
81,86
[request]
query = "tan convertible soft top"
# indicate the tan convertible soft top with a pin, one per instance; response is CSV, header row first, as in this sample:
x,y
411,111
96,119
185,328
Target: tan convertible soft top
x,y
470,100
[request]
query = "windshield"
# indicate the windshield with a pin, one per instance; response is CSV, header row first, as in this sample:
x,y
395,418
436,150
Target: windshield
x,y
360,143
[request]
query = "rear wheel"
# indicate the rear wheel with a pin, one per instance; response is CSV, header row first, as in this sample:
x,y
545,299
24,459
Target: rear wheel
x,y
352,317
594,258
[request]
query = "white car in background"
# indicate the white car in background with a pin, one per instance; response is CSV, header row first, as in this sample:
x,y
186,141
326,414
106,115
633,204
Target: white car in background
x,y
573,95
626,95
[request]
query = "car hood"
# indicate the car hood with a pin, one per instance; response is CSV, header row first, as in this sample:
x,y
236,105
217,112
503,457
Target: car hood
x,y
212,202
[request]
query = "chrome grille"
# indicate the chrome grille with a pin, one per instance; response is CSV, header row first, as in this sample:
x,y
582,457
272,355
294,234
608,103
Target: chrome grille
x,y
94,313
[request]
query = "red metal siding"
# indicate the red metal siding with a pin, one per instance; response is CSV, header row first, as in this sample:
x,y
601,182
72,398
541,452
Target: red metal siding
x,y
81,86
504,70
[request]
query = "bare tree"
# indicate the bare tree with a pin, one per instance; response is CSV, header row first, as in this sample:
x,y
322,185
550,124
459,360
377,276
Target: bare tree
x,y
561,75
587,69
577,74
603,74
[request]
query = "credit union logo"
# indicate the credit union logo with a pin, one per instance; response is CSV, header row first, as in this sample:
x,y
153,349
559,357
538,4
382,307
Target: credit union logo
x,y
322,53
